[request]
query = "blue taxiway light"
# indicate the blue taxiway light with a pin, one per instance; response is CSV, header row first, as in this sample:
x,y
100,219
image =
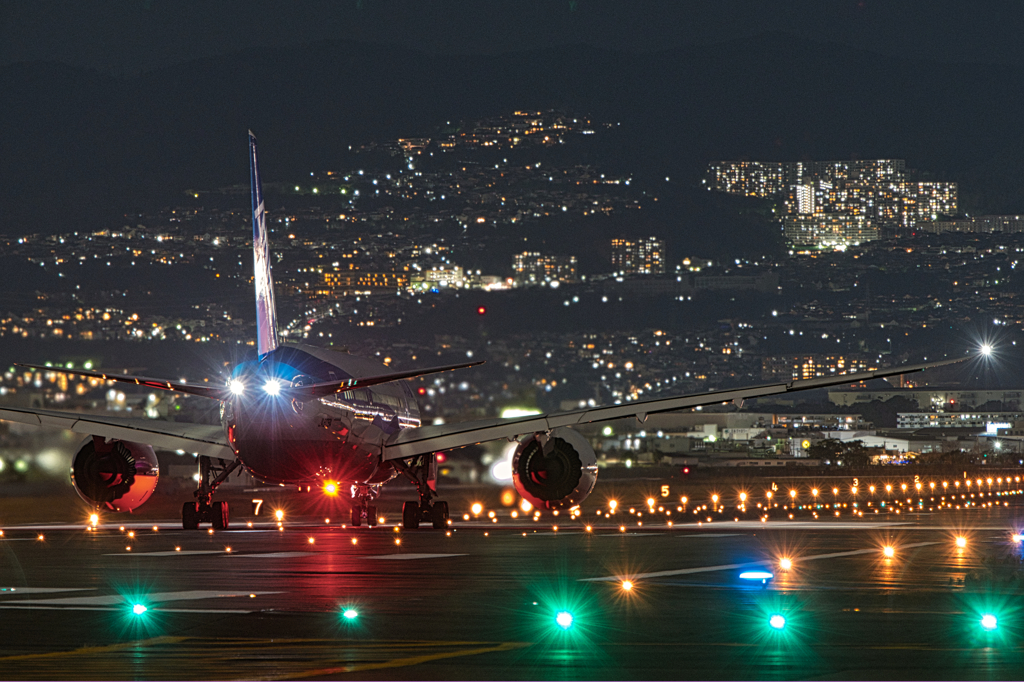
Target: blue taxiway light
x,y
756,575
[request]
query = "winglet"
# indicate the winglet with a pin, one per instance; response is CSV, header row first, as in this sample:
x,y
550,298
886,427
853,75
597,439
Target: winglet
x,y
266,313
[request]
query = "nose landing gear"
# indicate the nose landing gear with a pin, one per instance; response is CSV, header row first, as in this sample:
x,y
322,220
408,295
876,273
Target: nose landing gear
x,y
204,509
362,497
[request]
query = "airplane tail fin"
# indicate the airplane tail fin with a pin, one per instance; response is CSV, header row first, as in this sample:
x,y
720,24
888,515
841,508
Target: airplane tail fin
x,y
266,313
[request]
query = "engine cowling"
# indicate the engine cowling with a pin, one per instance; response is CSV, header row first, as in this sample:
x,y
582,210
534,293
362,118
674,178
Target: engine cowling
x,y
555,470
119,475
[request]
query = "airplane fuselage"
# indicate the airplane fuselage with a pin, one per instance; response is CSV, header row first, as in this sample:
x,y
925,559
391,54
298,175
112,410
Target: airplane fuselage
x,y
336,438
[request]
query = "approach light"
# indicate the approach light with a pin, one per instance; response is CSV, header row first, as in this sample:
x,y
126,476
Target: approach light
x,y
331,488
272,387
476,508
627,585
139,609
961,541
889,551
1017,537
612,504
785,563
94,519
777,621
279,514
564,619
236,387
986,349
989,622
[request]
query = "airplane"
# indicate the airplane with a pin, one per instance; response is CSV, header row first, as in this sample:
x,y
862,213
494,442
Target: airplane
x,y
300,415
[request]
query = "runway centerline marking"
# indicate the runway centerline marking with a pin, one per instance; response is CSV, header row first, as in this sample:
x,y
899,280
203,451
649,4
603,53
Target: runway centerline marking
x,y
184,552
747,564
412,556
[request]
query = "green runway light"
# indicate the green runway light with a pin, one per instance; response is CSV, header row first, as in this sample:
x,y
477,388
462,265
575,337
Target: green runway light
x,y
777,621
139,609
350,614
564,619
989,622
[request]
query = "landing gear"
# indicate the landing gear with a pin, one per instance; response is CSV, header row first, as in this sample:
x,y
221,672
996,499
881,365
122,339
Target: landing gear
x,y
362,496
422,471
203,509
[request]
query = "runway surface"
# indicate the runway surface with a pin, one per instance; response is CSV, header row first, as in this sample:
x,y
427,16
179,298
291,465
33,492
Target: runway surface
x,y
269,602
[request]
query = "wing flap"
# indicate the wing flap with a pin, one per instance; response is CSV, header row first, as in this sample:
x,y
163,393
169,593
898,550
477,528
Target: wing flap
x,y
204,439
427,439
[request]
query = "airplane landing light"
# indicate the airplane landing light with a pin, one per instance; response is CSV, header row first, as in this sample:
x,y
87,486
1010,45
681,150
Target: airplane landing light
x,y
236,387
777,621
564,619
331,488
989,622
627,585
889,551
785,563
1017,537
961,541
986,349
272,387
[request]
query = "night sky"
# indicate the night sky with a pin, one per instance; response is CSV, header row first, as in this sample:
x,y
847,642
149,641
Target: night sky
x,y
127,36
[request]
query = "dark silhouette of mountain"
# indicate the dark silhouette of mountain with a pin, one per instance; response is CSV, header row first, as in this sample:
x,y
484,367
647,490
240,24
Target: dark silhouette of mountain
x,y
77,148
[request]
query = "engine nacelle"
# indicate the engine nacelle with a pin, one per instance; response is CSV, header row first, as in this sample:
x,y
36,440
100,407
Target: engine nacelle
x,y
556,470
119,475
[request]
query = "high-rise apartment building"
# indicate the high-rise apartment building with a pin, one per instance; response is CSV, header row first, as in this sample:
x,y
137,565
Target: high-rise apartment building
x,y
531,267
850,201
639,256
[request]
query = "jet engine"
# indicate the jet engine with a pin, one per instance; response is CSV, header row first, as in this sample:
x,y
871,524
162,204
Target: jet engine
x,y
119,475
555,470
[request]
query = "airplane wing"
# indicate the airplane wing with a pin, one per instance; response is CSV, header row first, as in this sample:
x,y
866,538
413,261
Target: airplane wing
x,y
203,439
302,393
427,439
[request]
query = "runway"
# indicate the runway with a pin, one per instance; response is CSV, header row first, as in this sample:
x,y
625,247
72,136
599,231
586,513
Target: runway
x,y
269,602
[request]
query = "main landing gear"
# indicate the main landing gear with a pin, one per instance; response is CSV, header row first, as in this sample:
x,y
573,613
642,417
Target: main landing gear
x,y
203,509
362,507
422,471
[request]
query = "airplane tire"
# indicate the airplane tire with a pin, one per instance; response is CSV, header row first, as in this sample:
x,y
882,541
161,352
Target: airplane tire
x,y
411,515
219,514
439,515
190,516
357,515
371,516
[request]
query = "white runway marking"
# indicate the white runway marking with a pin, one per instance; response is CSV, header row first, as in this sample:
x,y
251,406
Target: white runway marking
x,y
630,534
714,535
271,555
184,552
412,556
154,598
748,564
7,591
